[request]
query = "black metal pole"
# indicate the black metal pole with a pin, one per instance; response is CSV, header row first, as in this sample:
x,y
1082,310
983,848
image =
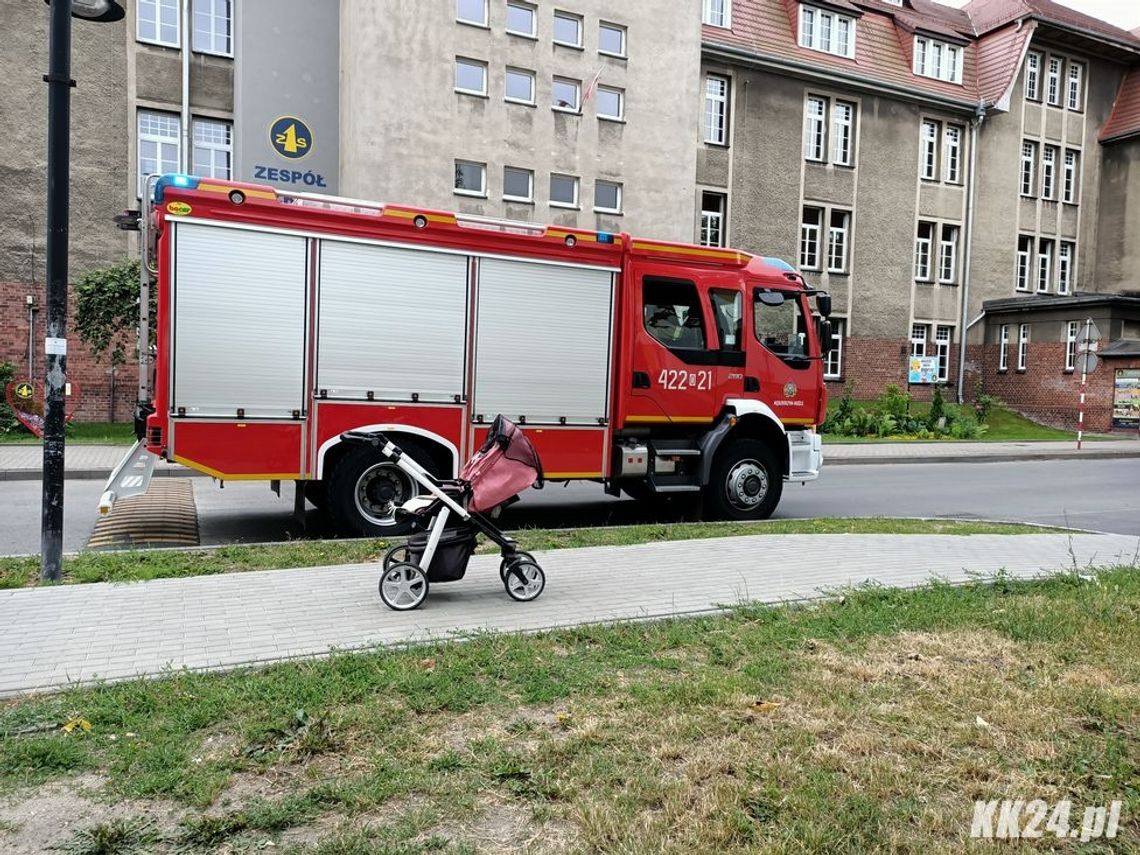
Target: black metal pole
x,y
55,346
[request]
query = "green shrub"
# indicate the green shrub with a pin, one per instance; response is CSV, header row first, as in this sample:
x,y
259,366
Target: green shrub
x,y
9,424
966,426
983,403
894,402
935,419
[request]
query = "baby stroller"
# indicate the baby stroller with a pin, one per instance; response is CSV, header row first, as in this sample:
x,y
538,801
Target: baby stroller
x,y
506,464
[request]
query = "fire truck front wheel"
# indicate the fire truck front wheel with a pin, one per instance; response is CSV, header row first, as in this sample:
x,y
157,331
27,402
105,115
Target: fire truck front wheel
x,y
745,482
365,489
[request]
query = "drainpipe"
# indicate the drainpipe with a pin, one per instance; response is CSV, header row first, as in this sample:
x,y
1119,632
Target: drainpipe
x,y
184,160
975,125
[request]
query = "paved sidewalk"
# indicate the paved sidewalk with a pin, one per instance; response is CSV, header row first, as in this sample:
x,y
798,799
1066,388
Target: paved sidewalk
x,y
52,637
23,462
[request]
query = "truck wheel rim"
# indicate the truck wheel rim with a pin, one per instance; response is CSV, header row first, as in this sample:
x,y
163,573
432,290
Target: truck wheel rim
x,y
380,490
403,586
746,485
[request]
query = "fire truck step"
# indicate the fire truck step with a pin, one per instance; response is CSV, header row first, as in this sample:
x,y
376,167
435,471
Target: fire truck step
x,y
165,515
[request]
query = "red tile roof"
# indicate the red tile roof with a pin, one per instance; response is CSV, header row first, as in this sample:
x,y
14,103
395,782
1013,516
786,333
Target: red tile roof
x,y
999,58
1125,118
987,15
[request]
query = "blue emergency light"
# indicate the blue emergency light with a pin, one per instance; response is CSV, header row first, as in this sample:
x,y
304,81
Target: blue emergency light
x,y
185,182
605,237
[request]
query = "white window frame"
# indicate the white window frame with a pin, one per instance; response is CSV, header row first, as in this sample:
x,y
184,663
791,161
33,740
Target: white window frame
x,y
819,30
211,18
842,133
919,336
612,90
1003,341
213,147
1074,86
567,16
1022,347
1033,75
716,110
603,210
952,154
717,13
947,255
617,28
815,124
157,39
577,84
1072,331
943,338
1049,172
529,197
519,72
460,191
838,241
471,63
923,248
527,7
161,141
574,181
1071,183
1028,167
937,60
713,221
469,22
1066,250
1022,277
1053,81
1044,265
928,149
833,365
809,236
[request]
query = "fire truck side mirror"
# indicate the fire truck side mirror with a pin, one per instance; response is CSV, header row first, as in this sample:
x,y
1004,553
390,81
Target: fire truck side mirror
x,y
825,340
823,304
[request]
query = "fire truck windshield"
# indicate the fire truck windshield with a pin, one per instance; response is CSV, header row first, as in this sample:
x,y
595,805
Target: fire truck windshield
x,y
780,323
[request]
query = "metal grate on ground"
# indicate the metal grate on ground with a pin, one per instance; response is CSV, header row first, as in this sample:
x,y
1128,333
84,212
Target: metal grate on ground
x,y
165,515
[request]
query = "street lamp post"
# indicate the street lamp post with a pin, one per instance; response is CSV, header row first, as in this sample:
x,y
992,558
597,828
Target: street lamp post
x,y
59,84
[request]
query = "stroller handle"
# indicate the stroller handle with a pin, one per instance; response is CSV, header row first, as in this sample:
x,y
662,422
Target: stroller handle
x,y
374,438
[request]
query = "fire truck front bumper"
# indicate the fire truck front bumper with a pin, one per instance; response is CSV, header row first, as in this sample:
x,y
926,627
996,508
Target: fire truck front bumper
x,y
805,453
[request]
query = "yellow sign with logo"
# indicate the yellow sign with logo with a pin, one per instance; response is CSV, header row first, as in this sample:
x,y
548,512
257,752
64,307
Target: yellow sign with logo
x,y
179,209
24,391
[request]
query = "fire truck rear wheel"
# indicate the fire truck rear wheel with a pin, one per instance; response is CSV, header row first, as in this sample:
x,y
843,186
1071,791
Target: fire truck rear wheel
x,y
365,489
746,481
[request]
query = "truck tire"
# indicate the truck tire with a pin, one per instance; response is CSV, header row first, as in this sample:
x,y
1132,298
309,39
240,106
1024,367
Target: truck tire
x,y
746,481
365,487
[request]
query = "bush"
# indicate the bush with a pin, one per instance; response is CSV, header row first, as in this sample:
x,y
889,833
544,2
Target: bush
x,y
842,412
937,416
894,402
9,424
967,427
983,403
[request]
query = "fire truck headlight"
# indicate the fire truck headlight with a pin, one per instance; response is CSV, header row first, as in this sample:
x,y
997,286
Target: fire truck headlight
x,y
420,221
571,240
237,197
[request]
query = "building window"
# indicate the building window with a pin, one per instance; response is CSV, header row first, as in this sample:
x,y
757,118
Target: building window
x,y
522,19
1049,172
1022,346
929,155
470,178
567,29
948,255
520,86
1028,166
611,39
607,197
718,13
159,147
213,149
157,22
826,31
1065,267
212,27
565,94
1053,82
918,336
1024,254
952,154
716,110
471,12
1044,264
922,246
518,184
942,338
1003,355
833,365
842,141
470,76
713,207
1072,328
1033,76
1076,92
815,119
837,240
937,59
563,191
809,238
611,103
1072,173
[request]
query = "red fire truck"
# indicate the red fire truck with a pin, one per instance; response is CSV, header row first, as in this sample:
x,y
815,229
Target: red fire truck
x,y
286,319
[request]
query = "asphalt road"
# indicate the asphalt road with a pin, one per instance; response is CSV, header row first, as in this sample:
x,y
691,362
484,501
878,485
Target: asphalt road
x,y
1098,494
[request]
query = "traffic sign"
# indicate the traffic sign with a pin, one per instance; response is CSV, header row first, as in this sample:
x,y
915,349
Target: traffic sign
x,y
1089,333
1087,361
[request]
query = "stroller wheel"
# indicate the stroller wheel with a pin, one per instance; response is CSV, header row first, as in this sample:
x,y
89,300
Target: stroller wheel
x,y
403,586
398,554
524,580
505,564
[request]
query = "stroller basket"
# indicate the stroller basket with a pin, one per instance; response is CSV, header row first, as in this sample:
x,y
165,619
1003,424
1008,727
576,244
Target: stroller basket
x,y
449,563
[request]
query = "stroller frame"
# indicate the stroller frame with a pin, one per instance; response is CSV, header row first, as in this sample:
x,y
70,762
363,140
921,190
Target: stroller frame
x,y
521,575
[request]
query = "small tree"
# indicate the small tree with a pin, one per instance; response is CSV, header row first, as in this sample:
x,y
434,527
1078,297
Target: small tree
x,y
107,311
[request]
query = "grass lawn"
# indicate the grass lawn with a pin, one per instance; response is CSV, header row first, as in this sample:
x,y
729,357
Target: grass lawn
x,y
1003,426
139,565
82,433
867,724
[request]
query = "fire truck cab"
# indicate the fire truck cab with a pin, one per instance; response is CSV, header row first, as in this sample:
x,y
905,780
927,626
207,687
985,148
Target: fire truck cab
x,y
654,368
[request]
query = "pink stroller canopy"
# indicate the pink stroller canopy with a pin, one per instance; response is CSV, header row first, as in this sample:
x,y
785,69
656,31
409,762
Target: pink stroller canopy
x,y
506,465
